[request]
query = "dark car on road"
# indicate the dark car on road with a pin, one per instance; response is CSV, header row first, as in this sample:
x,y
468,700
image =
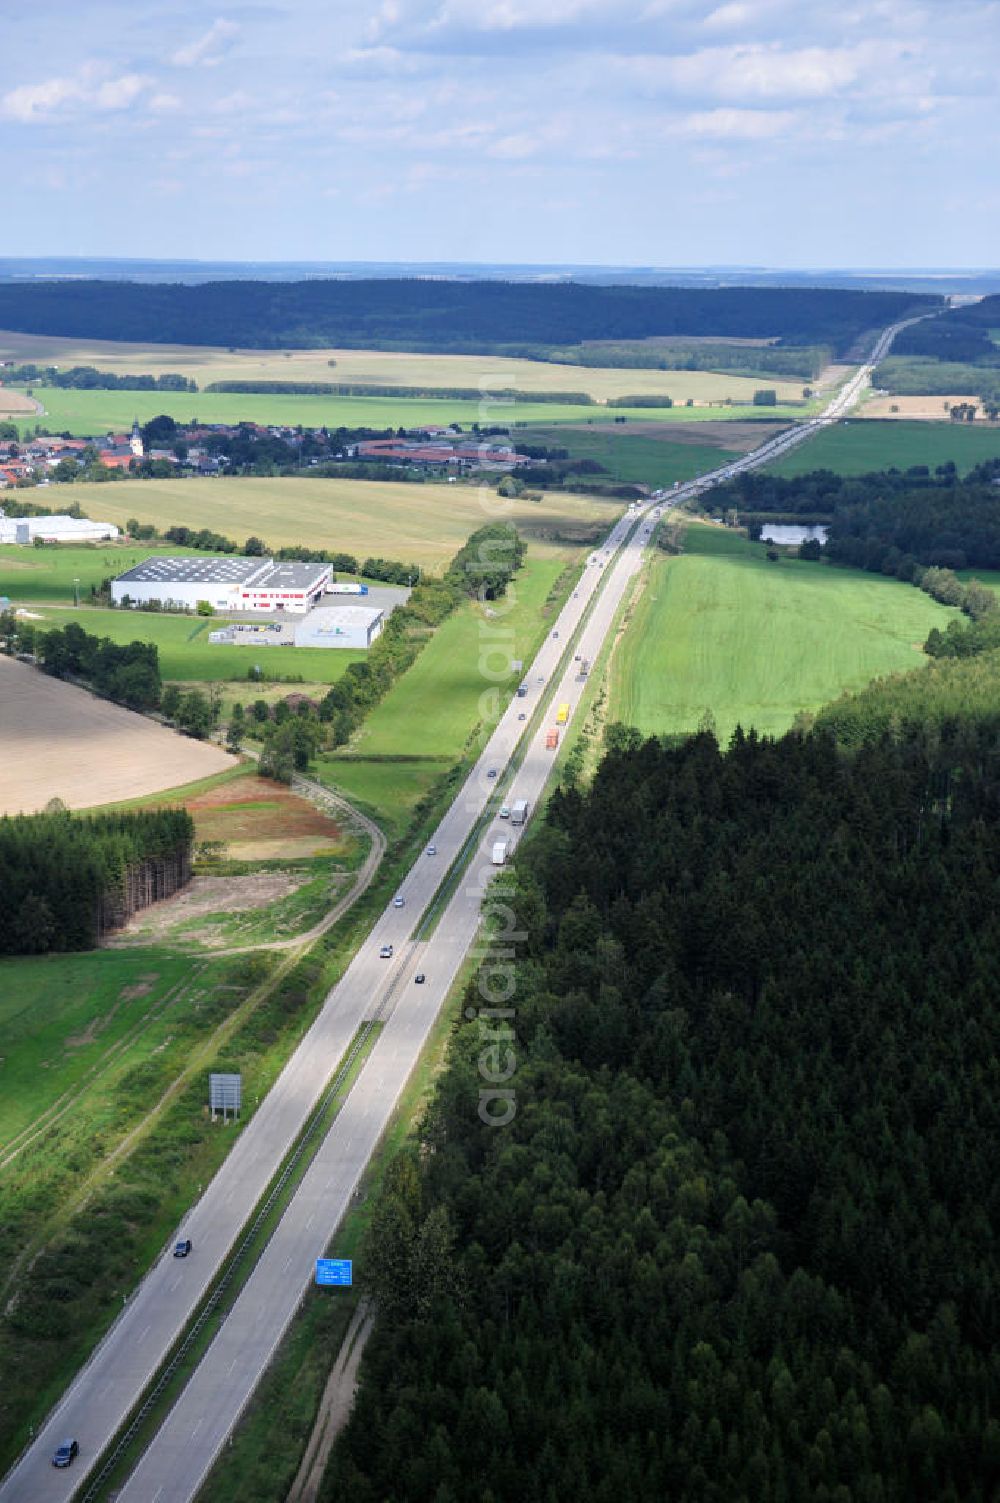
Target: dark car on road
x,y
65,1454
182,1248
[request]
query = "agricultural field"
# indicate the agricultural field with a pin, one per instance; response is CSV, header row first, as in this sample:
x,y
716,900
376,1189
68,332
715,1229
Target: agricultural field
x,y
421,727
255,819
925,409
85,413
488,373
62,742
658,453
422,524
720,630
856,447
187,656
16,404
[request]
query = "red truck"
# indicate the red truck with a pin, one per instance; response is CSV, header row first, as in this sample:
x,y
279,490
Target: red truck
x,y
551,739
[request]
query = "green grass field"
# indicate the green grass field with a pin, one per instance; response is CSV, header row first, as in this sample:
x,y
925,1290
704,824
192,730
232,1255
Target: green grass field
x,y
423,524
722,630
187,656
855,447
430,713
59,1014
379,368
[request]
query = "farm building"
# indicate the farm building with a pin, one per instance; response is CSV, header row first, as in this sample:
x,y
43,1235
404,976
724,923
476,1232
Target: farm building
x,y
228,582
55,530
354,626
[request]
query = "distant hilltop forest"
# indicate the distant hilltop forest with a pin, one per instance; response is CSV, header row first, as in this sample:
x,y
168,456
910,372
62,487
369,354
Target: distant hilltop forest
x,y
443,316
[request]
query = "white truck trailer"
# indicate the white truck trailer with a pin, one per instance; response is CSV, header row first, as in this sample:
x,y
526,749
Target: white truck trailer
x,y
519,811
499,852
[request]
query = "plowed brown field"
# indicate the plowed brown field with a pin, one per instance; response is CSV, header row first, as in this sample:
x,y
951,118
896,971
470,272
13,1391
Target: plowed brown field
x,y
58,741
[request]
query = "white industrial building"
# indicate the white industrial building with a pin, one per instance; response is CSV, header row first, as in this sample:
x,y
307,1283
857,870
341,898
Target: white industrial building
x,y
354,626
55,530
228,582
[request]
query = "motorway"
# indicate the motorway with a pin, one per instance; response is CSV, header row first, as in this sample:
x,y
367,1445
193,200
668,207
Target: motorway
x,y
100,1398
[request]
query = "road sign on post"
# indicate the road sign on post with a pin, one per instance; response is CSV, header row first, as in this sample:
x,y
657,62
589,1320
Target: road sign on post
x,y
225,1095
334,1271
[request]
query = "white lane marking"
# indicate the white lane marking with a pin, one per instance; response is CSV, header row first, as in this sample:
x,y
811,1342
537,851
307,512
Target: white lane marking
x,y
175,1283
142,1335
197,1427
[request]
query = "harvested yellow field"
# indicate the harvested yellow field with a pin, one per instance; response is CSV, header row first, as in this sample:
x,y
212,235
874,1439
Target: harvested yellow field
x,y
16,402
925,409
61,742
486,373
421,524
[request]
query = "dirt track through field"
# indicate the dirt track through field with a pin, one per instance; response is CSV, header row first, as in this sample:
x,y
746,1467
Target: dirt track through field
x,y
58,741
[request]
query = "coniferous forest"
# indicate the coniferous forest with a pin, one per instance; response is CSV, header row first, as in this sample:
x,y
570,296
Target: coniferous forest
x,y
441,314
65,879
736,1241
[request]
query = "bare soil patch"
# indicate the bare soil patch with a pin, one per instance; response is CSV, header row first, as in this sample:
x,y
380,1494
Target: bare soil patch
x,y
203,896
263,821
61,742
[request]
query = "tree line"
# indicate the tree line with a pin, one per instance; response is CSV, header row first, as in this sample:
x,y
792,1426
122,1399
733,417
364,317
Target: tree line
x,y
803,361
889,521
128,673
89,378
442,315
735,1239
66,879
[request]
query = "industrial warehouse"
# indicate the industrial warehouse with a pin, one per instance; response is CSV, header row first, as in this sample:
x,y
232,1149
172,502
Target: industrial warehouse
x,y
289,594
61,529
225,582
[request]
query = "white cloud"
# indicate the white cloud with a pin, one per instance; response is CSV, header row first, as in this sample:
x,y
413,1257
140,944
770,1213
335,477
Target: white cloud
x,y
209,49
164,104
735,124
88,91
119,93
760,71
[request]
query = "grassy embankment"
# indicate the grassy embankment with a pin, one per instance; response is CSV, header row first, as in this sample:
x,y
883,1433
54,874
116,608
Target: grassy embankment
x,y
418,733
855,448
722,630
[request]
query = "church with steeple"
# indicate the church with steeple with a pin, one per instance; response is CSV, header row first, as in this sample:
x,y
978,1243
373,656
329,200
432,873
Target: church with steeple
x,y
135,441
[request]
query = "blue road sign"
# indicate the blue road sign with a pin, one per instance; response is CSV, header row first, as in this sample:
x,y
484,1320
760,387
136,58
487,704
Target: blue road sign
x,y
334,1271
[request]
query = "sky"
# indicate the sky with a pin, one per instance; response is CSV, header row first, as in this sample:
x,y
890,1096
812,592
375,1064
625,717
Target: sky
x,y
778,133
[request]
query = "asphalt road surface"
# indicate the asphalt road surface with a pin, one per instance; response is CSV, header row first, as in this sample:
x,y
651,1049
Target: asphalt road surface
x,y
97,1403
